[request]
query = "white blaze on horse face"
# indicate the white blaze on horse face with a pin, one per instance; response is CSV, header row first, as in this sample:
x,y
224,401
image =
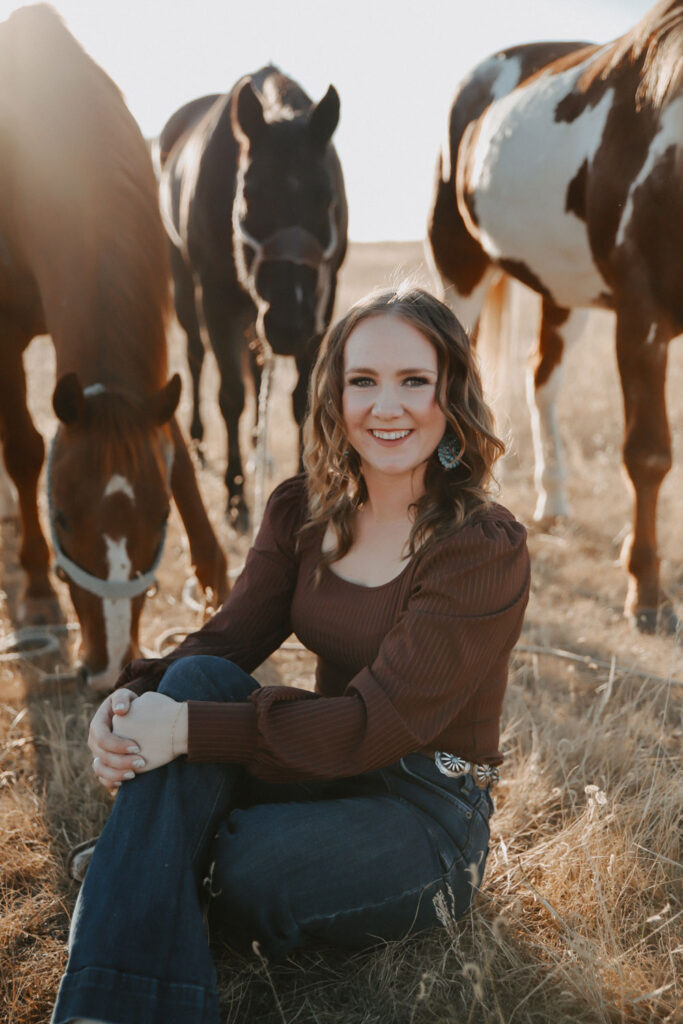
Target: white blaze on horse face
x,y
523,163
119,484
117,616
669,133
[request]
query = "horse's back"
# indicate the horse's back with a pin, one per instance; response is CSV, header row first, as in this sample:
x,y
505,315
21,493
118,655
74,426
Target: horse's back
x,y
181,122
518,181
78,182
498,75
458,253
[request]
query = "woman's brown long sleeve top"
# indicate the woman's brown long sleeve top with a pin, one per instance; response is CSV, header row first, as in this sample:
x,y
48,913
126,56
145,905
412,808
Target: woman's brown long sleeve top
x,y
420,662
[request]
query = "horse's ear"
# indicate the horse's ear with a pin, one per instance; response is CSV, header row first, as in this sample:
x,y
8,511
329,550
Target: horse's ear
x,y
247,112
165,402
68,401
324,117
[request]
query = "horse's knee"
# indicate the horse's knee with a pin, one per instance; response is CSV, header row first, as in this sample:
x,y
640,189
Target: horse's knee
x,y
647,466
206,677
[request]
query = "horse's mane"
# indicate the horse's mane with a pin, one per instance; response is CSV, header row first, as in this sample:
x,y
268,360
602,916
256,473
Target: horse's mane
x,y
283,99
84,203
656,43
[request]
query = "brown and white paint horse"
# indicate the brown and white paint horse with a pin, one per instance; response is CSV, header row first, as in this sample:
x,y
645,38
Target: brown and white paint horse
x,y
564,168
83,256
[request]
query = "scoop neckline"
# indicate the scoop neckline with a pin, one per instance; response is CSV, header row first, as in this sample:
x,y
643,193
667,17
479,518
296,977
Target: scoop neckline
x,y
377,586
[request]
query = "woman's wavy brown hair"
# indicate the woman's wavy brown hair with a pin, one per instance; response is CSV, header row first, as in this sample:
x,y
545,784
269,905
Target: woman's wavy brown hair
x,y
336,487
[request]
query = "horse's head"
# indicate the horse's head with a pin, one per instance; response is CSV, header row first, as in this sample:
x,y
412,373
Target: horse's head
x,y
284,227
109,494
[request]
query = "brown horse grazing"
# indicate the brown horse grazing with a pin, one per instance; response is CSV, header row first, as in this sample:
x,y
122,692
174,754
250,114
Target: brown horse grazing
x,y
83,256
565,169
252,196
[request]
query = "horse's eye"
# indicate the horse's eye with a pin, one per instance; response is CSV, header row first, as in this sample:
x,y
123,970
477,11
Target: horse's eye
x,y
164,518
61,520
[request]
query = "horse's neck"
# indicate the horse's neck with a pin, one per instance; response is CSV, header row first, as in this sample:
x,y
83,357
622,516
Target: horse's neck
x,y
104,360
100,334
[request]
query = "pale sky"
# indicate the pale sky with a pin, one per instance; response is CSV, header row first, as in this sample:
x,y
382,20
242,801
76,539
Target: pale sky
x,y
394,63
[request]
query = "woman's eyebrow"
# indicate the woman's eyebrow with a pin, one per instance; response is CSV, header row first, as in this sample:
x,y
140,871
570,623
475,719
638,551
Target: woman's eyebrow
x,y
400,372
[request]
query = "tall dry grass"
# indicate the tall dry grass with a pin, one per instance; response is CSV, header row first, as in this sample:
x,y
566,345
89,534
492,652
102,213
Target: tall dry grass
x,y
578,920
579,917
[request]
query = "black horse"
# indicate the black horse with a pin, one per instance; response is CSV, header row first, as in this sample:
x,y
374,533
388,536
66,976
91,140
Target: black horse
x,y
253,199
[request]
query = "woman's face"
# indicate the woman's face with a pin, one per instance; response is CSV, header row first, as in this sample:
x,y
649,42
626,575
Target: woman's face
x,y
391,414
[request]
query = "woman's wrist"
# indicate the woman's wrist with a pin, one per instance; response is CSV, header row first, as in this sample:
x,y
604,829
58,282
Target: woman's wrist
x,y
179,732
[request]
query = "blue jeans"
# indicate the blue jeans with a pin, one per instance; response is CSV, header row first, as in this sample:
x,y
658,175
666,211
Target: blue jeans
x,y
346,863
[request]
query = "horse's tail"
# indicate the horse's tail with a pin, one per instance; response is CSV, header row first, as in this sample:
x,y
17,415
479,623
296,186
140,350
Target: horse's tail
x,y
501,346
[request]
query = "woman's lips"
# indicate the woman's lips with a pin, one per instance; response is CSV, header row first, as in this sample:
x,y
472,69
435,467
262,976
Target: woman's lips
x,y
389,436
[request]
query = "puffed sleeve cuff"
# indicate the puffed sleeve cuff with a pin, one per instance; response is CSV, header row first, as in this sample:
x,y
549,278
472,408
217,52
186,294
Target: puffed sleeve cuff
x,y
234,733
221,732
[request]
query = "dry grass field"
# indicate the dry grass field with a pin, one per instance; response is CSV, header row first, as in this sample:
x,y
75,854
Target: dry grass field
x,y
579,920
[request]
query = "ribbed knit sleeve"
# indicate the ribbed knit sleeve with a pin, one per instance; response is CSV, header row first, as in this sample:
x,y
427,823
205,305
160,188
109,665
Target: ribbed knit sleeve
x,y
463,616
255,618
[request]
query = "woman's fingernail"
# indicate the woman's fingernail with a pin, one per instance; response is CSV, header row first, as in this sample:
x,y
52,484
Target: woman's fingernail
x,y
139,762
133,749
120,706
129,775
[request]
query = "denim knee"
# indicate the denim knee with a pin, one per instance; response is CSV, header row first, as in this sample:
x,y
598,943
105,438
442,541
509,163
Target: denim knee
x,y
206,677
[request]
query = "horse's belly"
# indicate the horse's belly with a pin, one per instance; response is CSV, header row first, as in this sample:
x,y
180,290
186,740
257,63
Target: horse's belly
x,y
519,173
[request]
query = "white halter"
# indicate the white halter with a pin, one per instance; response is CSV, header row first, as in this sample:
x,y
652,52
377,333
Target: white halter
x,y
289,245
113,590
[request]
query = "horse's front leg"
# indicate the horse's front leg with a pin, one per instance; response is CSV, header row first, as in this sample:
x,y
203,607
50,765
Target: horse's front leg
x,y
642,356
184,289
304,365
207,557
8,497
227,327
24,451
559,330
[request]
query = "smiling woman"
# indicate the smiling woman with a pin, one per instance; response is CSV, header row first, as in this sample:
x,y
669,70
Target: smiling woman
x,y
391,415
340,816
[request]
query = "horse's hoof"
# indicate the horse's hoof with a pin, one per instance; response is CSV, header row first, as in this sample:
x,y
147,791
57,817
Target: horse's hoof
x,y
196,449
79,859
238,517
40,611
662,620
546,523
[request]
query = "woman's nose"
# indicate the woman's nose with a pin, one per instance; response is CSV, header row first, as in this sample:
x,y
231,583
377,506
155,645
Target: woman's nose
x,y
387,402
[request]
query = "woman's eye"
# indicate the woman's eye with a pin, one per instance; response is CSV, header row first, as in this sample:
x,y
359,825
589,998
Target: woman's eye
x,y
416,382
361,382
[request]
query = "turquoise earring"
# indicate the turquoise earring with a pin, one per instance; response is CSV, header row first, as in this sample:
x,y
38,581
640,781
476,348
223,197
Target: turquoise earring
x,y
448,451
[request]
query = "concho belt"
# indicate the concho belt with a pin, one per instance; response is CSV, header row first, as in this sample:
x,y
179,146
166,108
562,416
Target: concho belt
x,y
485,775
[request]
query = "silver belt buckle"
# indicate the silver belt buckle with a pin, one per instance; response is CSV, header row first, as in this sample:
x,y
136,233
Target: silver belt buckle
x,y
485,775
450,765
